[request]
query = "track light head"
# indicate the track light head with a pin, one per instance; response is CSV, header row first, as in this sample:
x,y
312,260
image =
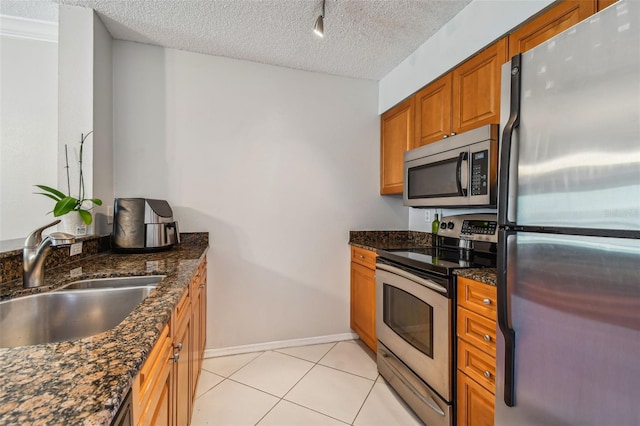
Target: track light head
x,y
318,28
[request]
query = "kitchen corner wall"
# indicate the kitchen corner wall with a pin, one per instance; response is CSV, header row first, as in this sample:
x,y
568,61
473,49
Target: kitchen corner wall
x,y
276,164
85,104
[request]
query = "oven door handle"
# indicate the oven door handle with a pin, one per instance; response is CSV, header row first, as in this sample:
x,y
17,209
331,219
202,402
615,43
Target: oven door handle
x,y
426,399
408,275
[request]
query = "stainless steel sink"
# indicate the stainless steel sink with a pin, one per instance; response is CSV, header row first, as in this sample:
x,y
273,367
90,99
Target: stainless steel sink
x,y
71,313
117,282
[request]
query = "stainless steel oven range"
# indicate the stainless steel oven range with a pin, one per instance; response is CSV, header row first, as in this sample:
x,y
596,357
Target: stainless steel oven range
x,y
415,306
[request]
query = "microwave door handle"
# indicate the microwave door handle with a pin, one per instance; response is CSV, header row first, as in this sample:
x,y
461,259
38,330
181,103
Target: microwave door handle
x,y
462,157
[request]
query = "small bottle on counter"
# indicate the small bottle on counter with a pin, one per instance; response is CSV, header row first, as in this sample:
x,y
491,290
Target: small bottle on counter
x,y
435,226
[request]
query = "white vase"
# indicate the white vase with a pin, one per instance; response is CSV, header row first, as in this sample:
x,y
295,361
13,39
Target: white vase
x,y
73,224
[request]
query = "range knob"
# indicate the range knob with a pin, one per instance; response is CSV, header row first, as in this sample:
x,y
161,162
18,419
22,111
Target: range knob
x,y
450,225
443,225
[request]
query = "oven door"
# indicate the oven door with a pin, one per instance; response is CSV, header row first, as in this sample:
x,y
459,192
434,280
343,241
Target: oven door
x,y
413,320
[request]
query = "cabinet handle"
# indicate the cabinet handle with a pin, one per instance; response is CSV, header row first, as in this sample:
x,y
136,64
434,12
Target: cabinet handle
x,y
487,338
445,136
361,257
487,374
202,285
175,357
179,346
453,133
486,301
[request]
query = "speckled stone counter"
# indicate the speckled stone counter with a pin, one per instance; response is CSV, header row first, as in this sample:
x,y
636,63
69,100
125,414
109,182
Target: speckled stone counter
x,y
484,275
83,382
372,240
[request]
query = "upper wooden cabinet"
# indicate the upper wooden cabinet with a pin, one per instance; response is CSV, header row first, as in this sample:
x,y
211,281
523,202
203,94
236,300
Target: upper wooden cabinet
x,y
552,22
602,4
396,136
476,88
433,111
468,96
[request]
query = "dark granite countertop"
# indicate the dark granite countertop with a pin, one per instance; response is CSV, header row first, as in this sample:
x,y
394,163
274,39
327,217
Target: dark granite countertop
x,y
484,275
83,382
373,240
381,240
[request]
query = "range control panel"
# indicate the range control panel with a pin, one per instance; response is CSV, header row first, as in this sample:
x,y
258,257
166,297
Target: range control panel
x,y
476,227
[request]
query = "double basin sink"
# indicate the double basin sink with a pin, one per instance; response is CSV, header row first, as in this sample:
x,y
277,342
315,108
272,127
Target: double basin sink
x,y
77,310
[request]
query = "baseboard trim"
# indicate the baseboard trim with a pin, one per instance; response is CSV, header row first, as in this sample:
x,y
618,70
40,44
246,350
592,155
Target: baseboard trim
x,y
234,350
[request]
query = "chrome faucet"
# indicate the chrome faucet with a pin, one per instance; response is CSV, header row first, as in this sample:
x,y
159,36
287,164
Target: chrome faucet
x,y
36,250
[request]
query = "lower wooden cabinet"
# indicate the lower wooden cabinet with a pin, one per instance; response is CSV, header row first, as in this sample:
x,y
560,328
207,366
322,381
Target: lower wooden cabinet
x,y
164,390
363,295
183,362
152,388
476,331
198,321
475,403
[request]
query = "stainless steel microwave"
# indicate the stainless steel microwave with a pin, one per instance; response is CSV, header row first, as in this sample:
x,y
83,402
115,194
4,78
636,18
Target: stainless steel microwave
x,y
461,170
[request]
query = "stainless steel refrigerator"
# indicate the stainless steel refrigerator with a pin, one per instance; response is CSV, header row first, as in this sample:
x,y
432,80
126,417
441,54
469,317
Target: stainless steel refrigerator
x,y
568,347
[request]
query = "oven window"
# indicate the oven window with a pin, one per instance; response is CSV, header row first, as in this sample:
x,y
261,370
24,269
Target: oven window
x,y
410,318
434,180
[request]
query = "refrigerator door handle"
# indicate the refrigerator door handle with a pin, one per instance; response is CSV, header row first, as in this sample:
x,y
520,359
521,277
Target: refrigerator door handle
x,y
507,140
503,319
462,157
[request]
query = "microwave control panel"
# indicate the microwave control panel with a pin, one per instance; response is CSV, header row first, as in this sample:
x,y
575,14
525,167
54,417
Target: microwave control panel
x,y
479,172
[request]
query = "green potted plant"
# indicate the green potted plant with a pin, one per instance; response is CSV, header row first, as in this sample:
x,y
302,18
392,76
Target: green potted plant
x,y
65,203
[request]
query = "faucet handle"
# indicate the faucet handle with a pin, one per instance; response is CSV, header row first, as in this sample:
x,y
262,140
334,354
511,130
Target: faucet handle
x,y
35,238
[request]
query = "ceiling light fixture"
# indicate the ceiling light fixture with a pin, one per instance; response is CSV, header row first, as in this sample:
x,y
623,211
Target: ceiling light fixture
x,y
318,28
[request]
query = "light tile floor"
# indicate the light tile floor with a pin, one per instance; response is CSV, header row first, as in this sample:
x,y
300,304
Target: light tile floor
x,y
327,384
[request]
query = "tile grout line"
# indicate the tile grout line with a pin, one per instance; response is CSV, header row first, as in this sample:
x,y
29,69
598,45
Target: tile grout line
x,y
317,363
294,385
280,399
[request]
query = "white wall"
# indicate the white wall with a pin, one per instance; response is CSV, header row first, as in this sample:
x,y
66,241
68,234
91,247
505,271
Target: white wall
x,y
276,164
102,124
75,93
29,123
474,28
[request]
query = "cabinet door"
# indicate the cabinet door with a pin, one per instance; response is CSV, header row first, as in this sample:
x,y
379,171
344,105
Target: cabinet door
x,y
396,136
602,4
363,304
475,403
195,335
433,111
161,414
203,312
550,23
476,89
182,369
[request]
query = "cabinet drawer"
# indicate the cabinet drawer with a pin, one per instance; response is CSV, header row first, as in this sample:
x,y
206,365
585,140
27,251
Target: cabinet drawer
x,y
478,330
477,297
477,365
182,309
364,257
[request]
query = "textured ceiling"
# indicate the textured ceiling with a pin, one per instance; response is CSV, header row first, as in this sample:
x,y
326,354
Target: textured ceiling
x,y
363,38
